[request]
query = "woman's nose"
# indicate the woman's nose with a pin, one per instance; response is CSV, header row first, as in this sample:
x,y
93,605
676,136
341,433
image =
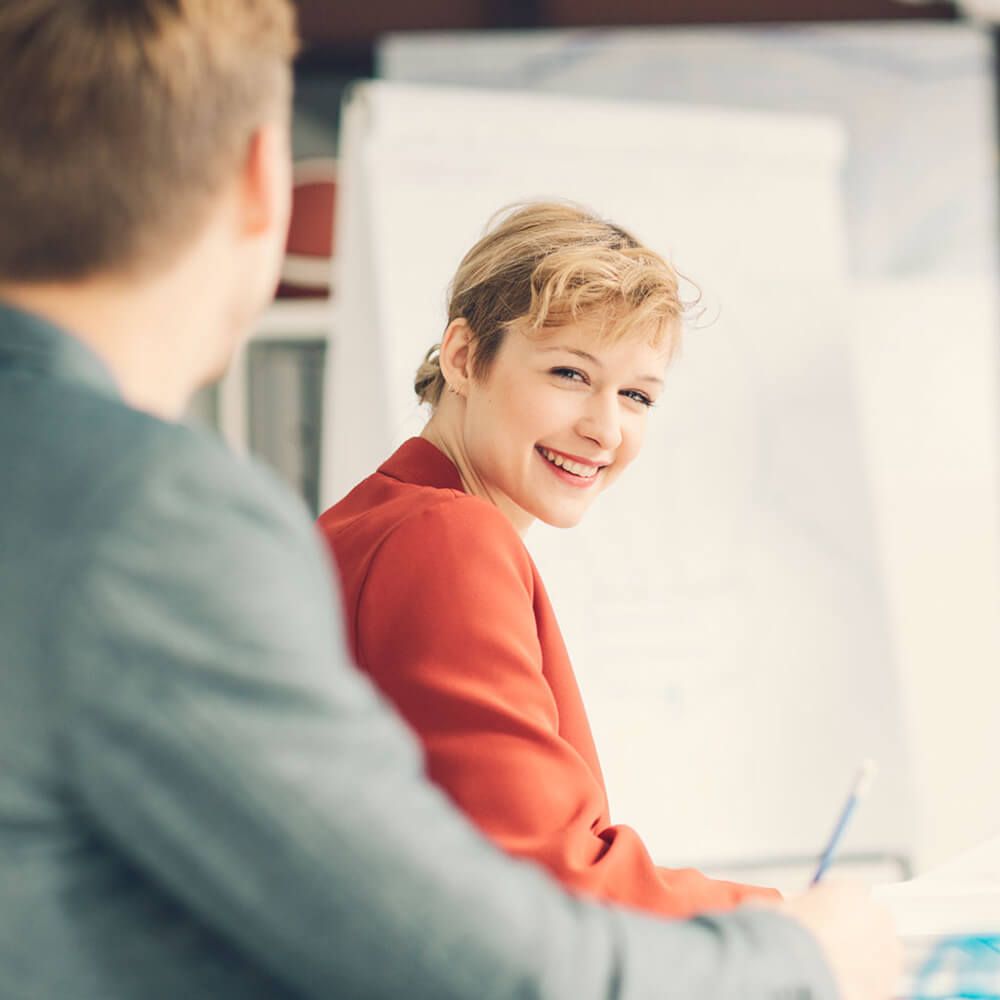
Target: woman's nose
x,y
601,422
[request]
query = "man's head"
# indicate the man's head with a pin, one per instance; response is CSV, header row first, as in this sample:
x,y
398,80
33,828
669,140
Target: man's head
x,y
122,119
130,127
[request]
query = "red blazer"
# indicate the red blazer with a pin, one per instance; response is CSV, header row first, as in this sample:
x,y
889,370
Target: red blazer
x,y
448,615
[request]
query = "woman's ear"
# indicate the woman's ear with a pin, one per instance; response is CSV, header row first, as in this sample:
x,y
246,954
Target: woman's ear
x,y
455,356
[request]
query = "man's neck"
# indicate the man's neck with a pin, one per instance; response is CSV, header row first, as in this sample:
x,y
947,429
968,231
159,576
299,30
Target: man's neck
x,y
155,336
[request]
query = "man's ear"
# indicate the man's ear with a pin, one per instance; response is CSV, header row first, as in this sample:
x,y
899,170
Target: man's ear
x,y
455,356
265,183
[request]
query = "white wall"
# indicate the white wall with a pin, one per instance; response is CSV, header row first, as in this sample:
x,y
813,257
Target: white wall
x,y
926,360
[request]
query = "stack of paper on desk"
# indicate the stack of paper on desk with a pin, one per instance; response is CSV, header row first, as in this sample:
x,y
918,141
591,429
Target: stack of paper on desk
x,y
958,900
960,897
925,908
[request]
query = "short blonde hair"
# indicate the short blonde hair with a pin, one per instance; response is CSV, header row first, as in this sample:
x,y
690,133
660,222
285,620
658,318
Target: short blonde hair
x,y
121,120
543,265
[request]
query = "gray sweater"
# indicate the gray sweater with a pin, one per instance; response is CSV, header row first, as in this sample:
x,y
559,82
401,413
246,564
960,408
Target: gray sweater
x,y
200,797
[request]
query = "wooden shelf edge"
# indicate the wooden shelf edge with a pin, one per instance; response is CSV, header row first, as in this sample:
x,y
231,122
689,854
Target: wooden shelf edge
x,y
296,319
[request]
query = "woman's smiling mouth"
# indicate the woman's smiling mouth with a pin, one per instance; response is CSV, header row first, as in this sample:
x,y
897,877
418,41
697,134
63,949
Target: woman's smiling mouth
x,y
569,470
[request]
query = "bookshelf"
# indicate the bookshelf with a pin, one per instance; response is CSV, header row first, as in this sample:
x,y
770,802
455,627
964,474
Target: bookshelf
x,y
291,322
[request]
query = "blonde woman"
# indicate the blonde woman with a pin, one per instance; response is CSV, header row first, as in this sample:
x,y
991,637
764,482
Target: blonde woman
x,y
560,328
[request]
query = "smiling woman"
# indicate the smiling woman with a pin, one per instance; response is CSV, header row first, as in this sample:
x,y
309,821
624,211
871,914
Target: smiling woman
x,y
560,328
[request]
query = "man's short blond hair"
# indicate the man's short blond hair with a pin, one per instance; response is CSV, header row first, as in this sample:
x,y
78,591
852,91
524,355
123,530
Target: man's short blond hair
x,y
121,120
542,265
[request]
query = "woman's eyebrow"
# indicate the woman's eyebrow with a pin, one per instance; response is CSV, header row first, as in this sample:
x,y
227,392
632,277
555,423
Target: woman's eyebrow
x,y
655,379
577,352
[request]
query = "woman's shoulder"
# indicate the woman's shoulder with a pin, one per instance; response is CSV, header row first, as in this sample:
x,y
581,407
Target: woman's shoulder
x,y
384,502
437,514
453,543
450,530
386,523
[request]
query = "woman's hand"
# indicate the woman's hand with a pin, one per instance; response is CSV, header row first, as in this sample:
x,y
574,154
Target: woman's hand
x,y
857,937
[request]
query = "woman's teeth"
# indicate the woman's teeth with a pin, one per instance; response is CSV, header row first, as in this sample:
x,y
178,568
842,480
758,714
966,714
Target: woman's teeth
x,y
584,471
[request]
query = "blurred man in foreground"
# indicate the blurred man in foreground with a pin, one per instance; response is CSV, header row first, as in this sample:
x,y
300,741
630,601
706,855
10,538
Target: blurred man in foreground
x,y
199,796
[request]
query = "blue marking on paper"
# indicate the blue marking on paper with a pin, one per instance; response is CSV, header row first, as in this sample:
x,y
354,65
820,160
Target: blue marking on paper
x,y
961,968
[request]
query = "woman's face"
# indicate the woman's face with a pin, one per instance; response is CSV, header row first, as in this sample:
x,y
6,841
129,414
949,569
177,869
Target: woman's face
x,y
558,419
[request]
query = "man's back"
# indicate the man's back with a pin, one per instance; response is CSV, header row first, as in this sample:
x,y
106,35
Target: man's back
x,y
76,919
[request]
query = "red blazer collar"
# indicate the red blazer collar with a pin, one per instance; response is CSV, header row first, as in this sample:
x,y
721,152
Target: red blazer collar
x,y
419,462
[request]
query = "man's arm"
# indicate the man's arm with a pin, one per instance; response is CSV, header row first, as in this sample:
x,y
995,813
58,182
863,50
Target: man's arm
x,y
221,739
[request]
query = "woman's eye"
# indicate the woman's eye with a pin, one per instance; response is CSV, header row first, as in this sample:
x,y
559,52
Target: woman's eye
x,y
570,373
639,397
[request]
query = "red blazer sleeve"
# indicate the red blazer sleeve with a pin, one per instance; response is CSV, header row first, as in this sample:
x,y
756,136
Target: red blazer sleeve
x,y
445,626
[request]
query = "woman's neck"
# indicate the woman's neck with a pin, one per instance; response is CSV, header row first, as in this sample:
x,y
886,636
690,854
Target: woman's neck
x,y
443,430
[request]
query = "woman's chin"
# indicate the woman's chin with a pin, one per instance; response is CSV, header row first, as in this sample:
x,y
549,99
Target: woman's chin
x,y
561,518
